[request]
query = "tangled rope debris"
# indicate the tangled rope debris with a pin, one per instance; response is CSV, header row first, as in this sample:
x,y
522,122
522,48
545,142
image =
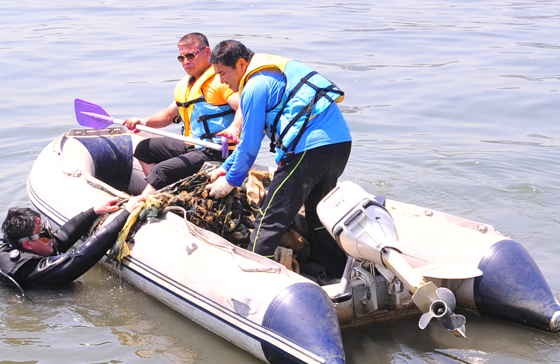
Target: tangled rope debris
x,y
231,217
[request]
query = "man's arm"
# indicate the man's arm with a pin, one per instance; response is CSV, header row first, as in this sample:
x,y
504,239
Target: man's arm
x,y
253,107
233,132
234,100
237,165
61,270
75,228
164,117
69,233
160,119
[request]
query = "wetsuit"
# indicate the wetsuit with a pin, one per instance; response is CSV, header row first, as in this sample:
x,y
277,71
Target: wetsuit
x,y
62,267
308,169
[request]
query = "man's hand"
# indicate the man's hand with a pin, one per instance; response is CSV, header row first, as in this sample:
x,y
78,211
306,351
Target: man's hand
x,y
106,206
218,172
220,188
132,122
134,202
231,132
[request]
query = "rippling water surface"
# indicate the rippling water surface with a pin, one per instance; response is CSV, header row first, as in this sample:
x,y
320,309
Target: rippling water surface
x,y
453,105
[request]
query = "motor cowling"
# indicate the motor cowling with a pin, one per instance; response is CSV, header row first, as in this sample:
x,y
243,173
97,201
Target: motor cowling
x,y
358,221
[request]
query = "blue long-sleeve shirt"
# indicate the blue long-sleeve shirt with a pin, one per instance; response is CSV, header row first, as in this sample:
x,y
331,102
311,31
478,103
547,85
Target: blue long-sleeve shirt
x,y
261,94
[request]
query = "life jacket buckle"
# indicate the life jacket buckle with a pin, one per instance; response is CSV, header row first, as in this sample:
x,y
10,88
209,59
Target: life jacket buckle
x,y
278,144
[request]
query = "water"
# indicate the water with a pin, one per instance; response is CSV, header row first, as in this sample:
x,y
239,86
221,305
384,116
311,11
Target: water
x,y
453,105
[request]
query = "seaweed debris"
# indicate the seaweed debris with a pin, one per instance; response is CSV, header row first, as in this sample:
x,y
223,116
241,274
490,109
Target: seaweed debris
x,y
231,217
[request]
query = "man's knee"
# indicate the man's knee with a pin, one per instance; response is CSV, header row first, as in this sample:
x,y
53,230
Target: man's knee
x,y
142,151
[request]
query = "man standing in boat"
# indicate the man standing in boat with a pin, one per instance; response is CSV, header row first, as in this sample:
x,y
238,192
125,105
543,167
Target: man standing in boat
x,y
204,104
297,108
33,255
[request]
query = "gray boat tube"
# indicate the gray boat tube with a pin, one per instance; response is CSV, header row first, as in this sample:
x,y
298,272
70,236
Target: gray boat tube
x,y
304,313
513,288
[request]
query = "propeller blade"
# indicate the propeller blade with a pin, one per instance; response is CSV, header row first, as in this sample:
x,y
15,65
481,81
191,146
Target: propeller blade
x,y
425,320
448,297
457,321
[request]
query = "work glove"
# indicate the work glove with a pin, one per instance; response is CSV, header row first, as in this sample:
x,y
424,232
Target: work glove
x,y
220,188
132,122
218,172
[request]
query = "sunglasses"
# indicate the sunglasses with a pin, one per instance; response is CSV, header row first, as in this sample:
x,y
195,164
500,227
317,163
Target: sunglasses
x,y
190,56
44,235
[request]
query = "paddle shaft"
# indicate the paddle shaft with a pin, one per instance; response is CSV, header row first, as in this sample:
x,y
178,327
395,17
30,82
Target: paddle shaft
x,y
92,115
167,134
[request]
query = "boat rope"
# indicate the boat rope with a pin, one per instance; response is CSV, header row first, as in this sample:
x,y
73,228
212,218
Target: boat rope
x,y
222,245
96,183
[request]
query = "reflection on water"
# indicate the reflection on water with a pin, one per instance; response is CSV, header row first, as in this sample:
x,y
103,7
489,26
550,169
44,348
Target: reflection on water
x,y
452,106
100,315
513,142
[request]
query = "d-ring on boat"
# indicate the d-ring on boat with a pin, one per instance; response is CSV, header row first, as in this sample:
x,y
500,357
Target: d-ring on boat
x,y
403,259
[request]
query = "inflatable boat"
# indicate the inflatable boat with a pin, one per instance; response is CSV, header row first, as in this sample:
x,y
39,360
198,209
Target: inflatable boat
x,y
402,260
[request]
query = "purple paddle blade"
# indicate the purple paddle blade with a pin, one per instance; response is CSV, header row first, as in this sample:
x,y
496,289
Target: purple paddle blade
x,y
91,115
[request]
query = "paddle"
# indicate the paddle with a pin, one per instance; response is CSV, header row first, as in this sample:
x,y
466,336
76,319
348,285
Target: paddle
x,y
93,116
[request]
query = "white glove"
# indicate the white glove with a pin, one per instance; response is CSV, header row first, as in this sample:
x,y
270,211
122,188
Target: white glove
x,y
220,188
218,172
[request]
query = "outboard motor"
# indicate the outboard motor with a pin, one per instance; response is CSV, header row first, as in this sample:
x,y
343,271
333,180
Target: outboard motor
x,y
365,230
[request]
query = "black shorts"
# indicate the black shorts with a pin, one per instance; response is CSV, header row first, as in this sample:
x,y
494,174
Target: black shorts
x,y
173,159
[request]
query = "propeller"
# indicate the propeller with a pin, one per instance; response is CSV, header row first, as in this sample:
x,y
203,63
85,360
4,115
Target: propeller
x,y
443,311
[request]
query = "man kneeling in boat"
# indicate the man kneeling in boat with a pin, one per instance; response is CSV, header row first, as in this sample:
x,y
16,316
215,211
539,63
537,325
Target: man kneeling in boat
x,y
204,104
297,108
33,255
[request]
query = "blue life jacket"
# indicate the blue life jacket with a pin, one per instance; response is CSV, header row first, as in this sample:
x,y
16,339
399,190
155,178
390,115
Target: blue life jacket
x,y
307,94
202,120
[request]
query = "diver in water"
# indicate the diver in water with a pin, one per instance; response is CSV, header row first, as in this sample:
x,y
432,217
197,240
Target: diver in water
x,y
33,255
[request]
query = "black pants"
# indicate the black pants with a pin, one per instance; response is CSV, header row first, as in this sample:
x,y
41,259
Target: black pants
x,y
302,179
173,158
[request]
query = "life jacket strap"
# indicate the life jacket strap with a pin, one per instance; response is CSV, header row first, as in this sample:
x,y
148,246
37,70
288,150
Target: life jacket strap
x,y
204,120
276,140
186,104
274,126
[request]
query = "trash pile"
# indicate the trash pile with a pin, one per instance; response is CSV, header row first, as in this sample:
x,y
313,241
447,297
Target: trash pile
x,y
232,217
